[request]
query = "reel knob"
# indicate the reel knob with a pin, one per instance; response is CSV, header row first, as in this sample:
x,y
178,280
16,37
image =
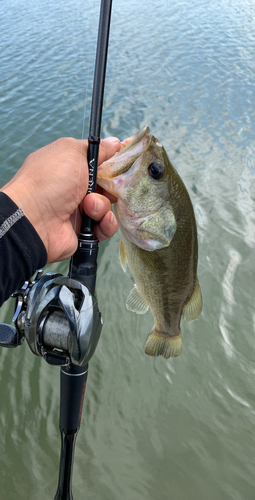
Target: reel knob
x,y
9,337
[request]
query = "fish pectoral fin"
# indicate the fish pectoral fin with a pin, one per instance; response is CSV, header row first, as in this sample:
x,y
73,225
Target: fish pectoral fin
x,y
193,308
135,303
123,256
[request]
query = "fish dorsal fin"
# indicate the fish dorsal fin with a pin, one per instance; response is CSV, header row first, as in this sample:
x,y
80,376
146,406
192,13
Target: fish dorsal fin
x,y
135,303
123,256
193,308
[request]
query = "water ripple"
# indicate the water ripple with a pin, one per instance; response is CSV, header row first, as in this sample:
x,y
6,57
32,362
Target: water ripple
x,y
151,428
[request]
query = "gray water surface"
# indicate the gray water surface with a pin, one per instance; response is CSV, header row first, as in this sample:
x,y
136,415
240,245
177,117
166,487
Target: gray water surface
x,y
177,429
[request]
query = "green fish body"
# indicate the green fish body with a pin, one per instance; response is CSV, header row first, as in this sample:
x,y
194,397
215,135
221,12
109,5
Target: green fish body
x,y
158,238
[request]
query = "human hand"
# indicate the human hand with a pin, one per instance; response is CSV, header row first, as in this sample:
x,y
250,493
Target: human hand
x,y
50,188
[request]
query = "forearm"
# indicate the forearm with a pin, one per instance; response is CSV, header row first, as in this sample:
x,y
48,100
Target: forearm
x,y
22,251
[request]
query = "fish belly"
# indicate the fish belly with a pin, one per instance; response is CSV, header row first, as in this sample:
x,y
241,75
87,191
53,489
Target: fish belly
x,y
154,287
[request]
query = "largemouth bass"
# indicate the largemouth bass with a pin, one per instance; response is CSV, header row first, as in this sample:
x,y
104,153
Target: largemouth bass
x,y
158,238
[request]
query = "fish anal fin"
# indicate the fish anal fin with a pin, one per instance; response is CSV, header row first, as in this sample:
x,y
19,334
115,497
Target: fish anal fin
x,y
135,303
159,344
123,256
193,308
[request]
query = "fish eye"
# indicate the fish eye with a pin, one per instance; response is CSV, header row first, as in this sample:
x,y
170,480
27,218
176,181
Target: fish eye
x,y
156,170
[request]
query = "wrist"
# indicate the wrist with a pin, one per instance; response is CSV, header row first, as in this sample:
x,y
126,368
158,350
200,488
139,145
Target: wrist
x,y
22,197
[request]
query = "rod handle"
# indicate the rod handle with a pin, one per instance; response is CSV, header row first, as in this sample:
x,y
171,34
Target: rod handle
x,y
72,388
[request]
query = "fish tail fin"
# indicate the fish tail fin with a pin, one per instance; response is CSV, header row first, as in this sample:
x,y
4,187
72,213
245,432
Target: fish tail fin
x,y
160,344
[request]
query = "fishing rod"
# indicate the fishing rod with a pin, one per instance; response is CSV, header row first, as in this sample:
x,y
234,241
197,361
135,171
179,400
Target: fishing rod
x,y
58,315
83,267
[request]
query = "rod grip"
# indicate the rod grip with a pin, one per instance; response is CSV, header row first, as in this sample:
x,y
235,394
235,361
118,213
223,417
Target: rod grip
x,y
72,389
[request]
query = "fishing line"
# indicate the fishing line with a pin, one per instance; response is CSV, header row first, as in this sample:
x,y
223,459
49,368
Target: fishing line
x,y
65,320
84,270
89,79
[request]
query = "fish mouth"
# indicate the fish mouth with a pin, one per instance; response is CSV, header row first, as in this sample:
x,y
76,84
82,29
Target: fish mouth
x,y
122,161
129,143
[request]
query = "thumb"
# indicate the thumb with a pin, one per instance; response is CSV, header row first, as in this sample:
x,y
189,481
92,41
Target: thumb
x,y
108,148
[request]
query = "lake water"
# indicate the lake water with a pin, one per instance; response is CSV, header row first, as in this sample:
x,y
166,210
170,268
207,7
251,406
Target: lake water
x,y
177,429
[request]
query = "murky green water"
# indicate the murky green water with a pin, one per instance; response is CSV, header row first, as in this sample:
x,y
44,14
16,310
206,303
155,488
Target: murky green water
x,y
182,429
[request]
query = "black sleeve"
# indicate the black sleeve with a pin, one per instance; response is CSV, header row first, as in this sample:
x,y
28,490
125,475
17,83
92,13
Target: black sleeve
x,y
22,251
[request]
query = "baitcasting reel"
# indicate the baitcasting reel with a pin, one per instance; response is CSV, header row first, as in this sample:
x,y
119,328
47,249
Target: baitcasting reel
x,y
59,318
